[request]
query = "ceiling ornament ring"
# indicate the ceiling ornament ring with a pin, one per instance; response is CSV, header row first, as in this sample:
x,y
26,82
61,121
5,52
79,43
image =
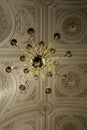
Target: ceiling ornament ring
x,y
47,2
72,26
45,108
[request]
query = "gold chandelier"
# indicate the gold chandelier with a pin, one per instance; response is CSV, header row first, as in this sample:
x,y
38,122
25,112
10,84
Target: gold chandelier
x,y
38,57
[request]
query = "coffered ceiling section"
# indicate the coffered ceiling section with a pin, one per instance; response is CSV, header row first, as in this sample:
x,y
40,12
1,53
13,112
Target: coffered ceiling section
x,y
7,22
29,107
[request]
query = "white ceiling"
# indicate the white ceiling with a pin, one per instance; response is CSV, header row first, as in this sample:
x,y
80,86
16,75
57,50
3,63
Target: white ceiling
x,y
66,106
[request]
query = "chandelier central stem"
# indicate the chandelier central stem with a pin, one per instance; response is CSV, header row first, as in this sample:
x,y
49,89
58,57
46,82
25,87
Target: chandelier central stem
x,y
38,61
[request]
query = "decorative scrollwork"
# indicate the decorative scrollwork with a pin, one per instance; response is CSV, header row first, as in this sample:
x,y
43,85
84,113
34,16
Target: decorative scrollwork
x,y
75,79
3,22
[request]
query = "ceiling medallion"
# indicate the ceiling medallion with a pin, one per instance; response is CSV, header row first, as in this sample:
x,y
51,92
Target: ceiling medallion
x,y
45,108
72,27
39,57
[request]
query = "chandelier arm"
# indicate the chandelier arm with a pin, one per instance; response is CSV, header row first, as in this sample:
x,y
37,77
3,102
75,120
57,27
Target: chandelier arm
x,y
34,45
49,47
57,73
24,51
41,50
53,70
50,59
59,57
48,54
35,48
28,76
49,67
17,67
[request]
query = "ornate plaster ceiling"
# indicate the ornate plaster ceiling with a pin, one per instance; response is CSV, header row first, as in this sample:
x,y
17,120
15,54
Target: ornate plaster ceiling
x,y
66,106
